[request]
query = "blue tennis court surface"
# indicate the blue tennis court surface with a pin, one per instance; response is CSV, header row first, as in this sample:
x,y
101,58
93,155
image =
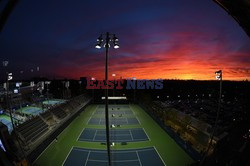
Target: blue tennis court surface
x,y
132,157
34,111
115,121
116,135
53,101
114,106
7,123
30,110
116,112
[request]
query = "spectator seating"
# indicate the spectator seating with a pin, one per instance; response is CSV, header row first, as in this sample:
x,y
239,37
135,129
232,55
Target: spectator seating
x,y
32,129
58,112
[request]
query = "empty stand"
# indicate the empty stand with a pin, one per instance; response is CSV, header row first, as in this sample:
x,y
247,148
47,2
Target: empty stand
x,y
32,129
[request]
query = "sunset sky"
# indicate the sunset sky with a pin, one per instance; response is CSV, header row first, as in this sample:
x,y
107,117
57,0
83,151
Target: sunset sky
x,y
172,39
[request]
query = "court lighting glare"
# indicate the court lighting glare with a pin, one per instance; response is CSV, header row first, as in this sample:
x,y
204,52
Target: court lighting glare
x,y
18,84
116,46
47,82
5,63
16,91
98,46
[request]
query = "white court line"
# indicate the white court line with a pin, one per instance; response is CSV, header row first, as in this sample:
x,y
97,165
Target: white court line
x,y
84,140
89,120
127,120
141,149
131,135
138,158
131,109
91,115
53,142
160,156
94,135
99,121
112,161
120,161
80,134
67,155
138,120
87,159
146,134
94,111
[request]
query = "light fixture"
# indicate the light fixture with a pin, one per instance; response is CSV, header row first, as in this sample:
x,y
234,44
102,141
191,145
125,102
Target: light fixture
x,y
98,46
18,84
115,39
99,42
218,75
116,46
10,77
105,44
99,39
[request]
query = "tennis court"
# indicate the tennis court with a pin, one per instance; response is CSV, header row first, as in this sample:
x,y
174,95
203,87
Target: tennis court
x,y
6,120
30,110
115,121
132,157
116,112
53,101
116,135
137,141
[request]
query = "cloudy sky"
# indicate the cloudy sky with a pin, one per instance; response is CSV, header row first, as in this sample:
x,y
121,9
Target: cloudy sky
x,y
158,39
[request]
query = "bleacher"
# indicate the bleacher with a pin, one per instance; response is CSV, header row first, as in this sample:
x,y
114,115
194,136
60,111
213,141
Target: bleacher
x,y
46,115
32,129
36,127
66,107
58,112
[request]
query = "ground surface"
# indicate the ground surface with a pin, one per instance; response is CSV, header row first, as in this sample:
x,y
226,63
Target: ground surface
x,y
137,141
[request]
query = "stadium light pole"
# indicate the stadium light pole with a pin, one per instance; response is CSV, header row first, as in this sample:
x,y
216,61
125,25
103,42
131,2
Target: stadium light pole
x,y
93,91
113,75
8,101
134,78
106,45
218,77
18,85
47,90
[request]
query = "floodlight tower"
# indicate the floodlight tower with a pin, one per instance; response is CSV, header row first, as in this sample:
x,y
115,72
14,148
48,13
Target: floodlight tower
x,y
93,92
134,78
47,92
8,101
113,75
106,45
18,85
218,76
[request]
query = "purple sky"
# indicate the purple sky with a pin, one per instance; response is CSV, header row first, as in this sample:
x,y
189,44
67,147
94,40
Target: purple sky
x,y
158,39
